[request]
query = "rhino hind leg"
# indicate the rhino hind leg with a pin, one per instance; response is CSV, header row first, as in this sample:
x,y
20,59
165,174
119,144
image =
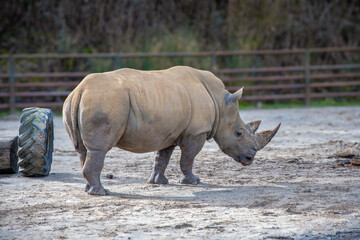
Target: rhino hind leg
x,y
82,157
94,163
161,161
189,149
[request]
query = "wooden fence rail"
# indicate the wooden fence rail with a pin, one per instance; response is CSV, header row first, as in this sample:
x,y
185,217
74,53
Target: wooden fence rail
x,y
264,83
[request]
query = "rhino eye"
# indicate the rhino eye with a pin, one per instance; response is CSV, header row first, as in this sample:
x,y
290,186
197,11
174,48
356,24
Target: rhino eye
x,y
238,133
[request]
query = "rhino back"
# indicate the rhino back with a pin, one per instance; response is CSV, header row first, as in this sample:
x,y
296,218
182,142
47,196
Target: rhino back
x,y
164,106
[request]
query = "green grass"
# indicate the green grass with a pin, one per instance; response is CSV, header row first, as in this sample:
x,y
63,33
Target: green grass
x,y
4,113
329,102
332,102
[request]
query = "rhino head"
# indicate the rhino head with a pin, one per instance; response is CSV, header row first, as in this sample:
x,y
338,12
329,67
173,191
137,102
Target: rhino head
x,y
235,138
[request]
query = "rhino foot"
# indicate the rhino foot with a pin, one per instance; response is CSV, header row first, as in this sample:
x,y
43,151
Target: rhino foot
x,y
98,191
190,179
158,179
92,192
87,187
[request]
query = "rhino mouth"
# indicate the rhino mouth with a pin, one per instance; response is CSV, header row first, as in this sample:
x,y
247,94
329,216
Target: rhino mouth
x,y
245,161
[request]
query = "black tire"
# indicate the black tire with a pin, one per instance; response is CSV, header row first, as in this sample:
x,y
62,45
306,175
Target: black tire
x,y
36,137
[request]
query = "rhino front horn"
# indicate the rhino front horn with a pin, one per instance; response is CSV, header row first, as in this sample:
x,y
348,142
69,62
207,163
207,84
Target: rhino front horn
x,y
265,137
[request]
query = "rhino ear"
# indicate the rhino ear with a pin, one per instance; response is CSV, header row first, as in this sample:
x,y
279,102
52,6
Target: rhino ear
x,y
235,97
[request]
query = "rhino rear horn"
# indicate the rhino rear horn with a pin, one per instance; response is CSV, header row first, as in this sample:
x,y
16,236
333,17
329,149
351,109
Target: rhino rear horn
x,y
254,125
265,137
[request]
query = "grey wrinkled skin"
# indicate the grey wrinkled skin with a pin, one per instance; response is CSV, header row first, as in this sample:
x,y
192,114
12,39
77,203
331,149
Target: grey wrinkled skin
x,y
145,111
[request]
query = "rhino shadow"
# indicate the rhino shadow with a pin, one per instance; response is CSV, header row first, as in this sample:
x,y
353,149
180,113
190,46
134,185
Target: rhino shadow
x,y
78,178
293,197
241,196
63,177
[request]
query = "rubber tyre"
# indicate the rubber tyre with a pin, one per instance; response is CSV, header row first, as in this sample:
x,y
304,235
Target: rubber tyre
x,y
36,137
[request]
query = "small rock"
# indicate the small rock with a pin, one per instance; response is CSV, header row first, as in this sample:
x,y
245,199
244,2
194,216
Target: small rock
x,y
348,150
183,225
109,176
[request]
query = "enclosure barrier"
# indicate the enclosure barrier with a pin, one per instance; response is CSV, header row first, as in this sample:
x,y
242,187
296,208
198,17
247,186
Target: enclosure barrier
x,y
299,80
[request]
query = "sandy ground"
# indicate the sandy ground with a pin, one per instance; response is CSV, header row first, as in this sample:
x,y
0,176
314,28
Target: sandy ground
x,y
293,190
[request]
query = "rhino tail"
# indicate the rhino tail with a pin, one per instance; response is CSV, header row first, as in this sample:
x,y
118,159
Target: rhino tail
x,y
70,113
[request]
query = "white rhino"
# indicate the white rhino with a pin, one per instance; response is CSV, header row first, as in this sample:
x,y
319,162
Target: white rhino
x,y
145,111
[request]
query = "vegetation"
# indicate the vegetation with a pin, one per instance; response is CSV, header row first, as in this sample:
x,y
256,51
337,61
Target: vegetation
x,y
167,26
314,103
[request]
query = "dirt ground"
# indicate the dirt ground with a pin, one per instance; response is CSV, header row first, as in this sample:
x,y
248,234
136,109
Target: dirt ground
x,y
293,190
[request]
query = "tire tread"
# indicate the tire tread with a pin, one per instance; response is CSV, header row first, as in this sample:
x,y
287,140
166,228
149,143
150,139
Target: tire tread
x,y
35,141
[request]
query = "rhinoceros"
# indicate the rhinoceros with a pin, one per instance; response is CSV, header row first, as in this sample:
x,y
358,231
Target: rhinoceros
x,y
146,111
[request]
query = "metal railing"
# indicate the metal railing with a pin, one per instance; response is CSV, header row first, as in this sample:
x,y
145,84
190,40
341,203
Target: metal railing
x,y
299,80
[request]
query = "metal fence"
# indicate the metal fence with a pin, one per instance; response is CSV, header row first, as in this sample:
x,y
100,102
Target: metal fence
x,y
301,82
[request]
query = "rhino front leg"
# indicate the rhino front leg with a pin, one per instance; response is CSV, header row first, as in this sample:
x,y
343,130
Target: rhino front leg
x,y
91,171
189,149
161,161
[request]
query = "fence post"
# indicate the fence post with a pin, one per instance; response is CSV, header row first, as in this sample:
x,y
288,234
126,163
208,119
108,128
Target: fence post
x,y
116,62
213,62
307,78
258,64
12,85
